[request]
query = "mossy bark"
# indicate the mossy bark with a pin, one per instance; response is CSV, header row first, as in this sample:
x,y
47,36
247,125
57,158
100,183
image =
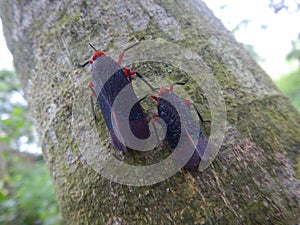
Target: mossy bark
x,y
252,181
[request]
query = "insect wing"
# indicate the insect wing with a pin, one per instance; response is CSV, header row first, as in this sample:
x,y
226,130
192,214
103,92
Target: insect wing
x,y
109,80
168,113
103,73
181,125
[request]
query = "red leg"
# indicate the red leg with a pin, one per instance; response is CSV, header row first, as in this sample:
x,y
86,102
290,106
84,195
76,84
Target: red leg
x,y
154,97
155,115
91,86
128,73
171,87
188,102
121,57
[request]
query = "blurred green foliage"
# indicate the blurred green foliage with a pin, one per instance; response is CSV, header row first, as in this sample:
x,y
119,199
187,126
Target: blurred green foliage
x,y
295,52
26,192
290,85
14,116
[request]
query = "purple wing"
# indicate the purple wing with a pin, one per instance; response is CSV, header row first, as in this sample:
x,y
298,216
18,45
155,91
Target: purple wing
x,y
109,80
191,139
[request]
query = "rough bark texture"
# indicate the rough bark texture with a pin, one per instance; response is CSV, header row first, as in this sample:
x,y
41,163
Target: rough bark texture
x,y
252,181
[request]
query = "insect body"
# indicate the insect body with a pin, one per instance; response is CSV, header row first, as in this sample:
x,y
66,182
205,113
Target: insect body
x,y
114,92
183,132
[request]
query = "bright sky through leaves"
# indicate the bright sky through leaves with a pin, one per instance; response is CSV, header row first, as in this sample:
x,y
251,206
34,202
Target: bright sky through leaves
x,y
273,42
5,55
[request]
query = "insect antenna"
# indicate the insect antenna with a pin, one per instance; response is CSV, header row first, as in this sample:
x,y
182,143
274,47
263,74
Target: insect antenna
x,y
131,46
92,47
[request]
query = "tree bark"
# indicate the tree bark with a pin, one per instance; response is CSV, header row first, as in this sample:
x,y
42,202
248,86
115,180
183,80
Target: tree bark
x,y
251,181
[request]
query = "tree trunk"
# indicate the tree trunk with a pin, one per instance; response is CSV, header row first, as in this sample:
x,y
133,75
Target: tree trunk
x,y
257,138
